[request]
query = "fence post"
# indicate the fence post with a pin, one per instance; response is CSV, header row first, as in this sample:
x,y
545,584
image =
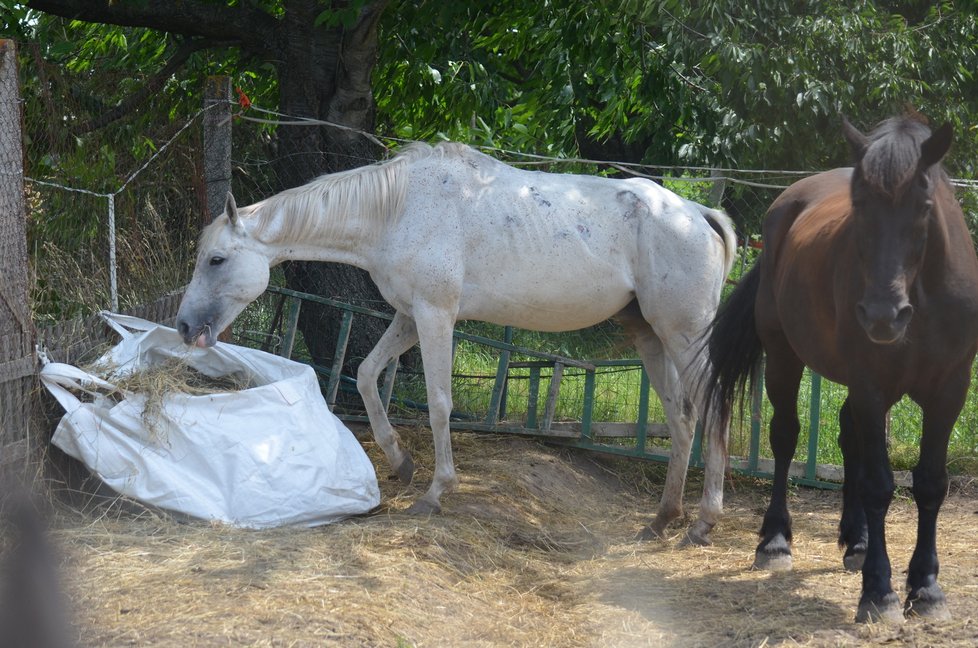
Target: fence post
x,y
17,358
217,145
717,188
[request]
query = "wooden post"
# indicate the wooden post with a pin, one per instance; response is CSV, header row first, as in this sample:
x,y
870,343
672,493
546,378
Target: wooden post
x,y
716,191
217,144
17,359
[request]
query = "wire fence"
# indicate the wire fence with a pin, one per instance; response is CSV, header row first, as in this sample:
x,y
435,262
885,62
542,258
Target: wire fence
x,y
16,329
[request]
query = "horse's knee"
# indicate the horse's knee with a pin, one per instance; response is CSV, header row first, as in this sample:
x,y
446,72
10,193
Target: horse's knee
x,y
929,489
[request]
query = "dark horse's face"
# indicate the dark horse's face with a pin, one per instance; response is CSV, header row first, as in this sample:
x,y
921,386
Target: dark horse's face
x,y
892,196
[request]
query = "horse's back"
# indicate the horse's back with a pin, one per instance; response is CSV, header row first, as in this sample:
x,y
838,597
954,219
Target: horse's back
x,y
821,196
553,251
807,245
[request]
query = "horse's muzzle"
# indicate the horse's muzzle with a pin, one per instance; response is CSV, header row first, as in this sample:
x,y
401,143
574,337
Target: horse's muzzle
x,y
883,322
200,335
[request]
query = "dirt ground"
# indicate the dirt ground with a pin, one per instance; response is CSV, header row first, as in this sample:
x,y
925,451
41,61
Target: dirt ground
x,y
534,549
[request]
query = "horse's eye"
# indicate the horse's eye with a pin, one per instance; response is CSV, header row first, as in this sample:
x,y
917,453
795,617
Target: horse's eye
x,y
216,260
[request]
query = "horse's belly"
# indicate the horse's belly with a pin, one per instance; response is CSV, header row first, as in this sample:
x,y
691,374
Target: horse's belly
x,y
537,304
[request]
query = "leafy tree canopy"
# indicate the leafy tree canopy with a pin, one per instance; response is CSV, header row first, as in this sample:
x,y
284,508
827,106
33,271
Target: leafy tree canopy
x,y
717,82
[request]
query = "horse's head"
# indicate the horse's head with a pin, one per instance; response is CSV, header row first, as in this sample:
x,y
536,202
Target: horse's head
x,y
231,272
892,196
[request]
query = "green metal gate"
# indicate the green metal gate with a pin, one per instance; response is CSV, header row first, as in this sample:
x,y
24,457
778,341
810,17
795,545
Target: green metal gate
x,y
524,392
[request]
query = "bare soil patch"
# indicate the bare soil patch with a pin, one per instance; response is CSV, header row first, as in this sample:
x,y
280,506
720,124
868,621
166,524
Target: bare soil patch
x,y
535,549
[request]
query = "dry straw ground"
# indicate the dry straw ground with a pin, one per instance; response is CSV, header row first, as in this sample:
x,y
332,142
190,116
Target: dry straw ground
x,y
535,549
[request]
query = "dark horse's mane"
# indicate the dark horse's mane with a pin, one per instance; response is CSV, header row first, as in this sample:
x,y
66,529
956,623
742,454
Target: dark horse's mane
x,y
893,153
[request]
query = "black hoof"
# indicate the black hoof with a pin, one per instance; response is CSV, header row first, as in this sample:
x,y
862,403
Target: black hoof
x,y
887,610
853,559
773,555
928,603
405,472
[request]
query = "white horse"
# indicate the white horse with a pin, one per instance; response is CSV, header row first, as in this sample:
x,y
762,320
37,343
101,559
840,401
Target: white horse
x,y
447,234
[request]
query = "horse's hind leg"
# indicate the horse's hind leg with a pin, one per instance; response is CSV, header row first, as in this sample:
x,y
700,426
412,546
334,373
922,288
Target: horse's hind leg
x,y
853,533
693,359
782,377
664,379
398,338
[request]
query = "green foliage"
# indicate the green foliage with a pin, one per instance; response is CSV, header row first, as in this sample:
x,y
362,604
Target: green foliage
x,y
718,82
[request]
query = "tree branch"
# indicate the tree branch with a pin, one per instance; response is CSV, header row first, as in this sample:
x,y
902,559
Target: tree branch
x,y
243,24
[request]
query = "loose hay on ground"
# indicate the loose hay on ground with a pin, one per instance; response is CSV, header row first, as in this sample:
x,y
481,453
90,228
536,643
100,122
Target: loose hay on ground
x,y
535,549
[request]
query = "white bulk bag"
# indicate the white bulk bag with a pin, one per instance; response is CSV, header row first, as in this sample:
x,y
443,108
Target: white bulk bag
x,y
266,456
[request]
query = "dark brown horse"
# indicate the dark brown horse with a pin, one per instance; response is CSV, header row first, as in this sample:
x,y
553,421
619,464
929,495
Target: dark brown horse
x,y
869,277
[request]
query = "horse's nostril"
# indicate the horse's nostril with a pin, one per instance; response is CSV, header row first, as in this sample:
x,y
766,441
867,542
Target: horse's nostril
x,y
183,328
904,315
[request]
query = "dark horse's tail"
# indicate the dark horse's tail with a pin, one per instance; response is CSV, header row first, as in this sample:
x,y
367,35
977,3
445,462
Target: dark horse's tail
x,y
734,347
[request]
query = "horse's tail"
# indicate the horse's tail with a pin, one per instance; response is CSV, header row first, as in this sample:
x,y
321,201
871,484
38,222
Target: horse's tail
x,y
734,349
723,226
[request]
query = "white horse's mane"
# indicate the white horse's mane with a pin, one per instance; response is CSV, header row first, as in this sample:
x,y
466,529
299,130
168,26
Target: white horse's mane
x,y
370,198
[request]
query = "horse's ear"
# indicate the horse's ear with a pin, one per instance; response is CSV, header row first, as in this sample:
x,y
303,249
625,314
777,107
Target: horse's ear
x,y
231,209
858,143
936,146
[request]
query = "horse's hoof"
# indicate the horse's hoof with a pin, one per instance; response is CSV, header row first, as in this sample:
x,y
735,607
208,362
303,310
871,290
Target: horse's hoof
x,y
853,560
928,603
698,535
886,611
773,555
654,531
693,539
405,472
423,507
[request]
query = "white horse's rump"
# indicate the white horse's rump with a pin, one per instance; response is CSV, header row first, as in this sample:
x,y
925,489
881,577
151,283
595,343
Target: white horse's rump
x,y
448,233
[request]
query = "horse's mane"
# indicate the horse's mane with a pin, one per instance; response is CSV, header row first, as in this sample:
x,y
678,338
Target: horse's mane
x,y
891,158
371,196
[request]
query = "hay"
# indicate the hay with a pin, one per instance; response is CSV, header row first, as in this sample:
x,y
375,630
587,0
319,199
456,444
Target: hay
x,y
157,382
535,549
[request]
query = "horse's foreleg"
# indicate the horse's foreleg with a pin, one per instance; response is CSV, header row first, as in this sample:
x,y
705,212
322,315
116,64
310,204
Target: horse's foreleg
x,y
435,331
878,601
852,527
925,597
398,338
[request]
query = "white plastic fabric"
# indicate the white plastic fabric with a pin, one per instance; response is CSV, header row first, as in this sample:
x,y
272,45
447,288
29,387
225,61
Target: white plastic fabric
x,y
266,456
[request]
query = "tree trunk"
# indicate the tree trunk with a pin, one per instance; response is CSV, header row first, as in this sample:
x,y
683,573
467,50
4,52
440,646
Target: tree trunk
x,y
325,74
